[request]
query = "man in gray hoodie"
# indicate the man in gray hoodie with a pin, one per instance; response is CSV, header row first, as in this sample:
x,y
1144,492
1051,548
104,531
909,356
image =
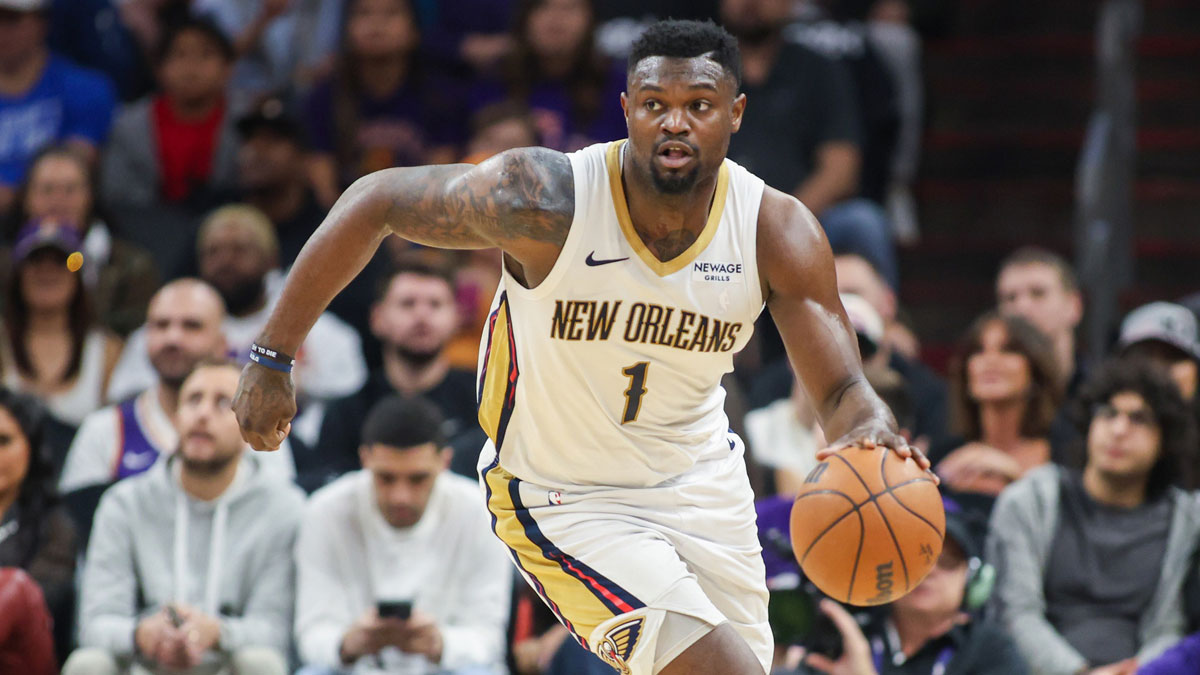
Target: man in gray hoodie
x,y
1092,563
189,569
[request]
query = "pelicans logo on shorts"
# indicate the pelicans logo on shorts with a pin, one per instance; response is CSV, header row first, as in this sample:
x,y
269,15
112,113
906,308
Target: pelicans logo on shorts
x,y
619,642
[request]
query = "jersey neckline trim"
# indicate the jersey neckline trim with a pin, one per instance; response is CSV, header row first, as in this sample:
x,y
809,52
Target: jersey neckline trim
x,y
660,267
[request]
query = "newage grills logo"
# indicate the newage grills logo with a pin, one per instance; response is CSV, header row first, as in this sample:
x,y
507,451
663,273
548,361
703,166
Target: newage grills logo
x,y
716,271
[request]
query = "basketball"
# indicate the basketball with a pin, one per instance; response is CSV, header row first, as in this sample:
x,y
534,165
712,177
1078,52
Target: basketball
x,y
867,526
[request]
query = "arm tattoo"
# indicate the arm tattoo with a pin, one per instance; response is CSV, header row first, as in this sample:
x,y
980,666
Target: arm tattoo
x,y
526,194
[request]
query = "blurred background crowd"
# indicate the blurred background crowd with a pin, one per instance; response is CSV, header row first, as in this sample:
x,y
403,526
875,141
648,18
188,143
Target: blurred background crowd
x,y
1010,190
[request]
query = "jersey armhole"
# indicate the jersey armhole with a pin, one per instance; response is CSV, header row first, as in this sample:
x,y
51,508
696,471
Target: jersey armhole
x,y
754,282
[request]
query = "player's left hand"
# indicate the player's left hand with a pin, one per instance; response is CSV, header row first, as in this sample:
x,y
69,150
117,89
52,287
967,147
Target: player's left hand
x,y
874,435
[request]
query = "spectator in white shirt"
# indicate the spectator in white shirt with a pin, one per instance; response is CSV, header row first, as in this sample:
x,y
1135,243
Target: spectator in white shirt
x,y
402,530
183,327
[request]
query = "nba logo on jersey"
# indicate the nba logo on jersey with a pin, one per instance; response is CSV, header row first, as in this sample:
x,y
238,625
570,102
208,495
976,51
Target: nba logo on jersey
x,y
619,642
554,497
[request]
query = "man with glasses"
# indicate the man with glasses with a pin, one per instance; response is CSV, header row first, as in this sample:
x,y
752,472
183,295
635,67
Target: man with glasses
x,y
1092,561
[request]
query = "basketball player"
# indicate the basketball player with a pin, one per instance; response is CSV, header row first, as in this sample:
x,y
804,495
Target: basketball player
x,y
633,272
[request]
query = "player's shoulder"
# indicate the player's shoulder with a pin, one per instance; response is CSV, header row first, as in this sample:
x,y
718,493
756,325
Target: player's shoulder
x,y
781,214
533,179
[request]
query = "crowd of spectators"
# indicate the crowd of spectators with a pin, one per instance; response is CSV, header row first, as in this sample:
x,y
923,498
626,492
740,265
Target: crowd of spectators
x,y
189,148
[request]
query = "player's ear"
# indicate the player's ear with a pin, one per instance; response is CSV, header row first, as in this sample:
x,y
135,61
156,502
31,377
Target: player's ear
x,y
739,107
625,107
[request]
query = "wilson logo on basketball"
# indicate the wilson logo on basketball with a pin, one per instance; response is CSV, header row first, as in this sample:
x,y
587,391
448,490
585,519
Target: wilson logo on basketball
x,y
883,583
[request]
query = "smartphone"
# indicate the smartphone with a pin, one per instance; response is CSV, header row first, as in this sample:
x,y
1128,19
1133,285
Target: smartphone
x,y
394,609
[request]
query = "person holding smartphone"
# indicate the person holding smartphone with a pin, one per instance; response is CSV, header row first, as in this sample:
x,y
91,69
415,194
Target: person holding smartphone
x,y
396,569
936,628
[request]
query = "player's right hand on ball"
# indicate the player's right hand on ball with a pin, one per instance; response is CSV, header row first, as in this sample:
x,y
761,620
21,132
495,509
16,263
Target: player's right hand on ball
x,y
265,404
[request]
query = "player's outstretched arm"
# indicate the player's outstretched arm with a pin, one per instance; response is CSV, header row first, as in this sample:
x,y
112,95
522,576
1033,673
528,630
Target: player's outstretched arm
x,y
521,201
800,286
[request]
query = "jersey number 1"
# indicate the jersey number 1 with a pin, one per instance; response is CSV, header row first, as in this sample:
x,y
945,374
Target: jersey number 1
x,y
637,388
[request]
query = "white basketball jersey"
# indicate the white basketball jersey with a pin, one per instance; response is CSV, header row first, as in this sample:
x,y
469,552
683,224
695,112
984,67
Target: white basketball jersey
x,y
608,372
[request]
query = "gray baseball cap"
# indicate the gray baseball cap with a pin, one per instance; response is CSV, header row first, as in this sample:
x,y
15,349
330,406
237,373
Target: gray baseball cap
x,y
1164,322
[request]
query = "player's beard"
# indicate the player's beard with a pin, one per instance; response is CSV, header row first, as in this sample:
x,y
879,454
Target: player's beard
x,y
674,183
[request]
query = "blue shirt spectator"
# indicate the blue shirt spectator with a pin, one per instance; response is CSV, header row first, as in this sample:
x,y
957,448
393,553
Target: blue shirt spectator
x,y
44,98
67,103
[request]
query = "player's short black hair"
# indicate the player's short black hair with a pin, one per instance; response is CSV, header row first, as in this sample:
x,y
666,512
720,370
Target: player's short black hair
x,y
199,25
404,422
689,39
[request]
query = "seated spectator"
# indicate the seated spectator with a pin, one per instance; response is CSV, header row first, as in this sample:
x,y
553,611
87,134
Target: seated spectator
x,y
26,644
176,147
380,108
403,529
414,318
272,177
53,348
36,534
1040,287
1005,392
555,69
238,256
123,440
172,155
189,568
1166,335
1091,563
119,276
46,99
937,628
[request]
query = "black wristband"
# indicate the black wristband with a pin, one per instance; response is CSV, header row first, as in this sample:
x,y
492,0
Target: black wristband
x,y
278,357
